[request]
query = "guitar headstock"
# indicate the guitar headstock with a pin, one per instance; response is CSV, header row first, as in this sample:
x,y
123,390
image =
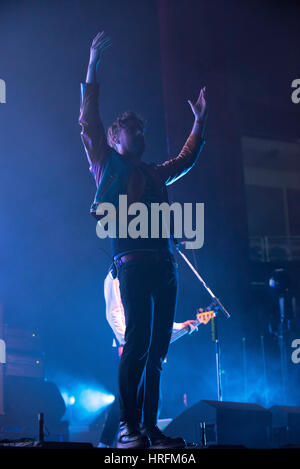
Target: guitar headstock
x,y
205,316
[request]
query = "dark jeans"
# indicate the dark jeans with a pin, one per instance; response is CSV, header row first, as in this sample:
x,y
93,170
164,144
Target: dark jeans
x,y
148,290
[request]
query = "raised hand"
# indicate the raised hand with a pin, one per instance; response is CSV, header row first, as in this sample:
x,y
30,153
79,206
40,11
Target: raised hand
x,y
199,108
99,44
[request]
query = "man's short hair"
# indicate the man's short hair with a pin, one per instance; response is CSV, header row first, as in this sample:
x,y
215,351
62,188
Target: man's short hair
x,y
121,122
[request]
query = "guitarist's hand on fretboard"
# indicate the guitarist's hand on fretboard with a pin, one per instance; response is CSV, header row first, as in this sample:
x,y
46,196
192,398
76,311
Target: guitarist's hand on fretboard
x,y
187,327
191,325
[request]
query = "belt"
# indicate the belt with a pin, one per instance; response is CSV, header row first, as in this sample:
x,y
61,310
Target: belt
x,y
155,255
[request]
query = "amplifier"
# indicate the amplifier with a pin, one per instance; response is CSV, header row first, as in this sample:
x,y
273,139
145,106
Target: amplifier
x,y
286,425
24,365
227,423
21,340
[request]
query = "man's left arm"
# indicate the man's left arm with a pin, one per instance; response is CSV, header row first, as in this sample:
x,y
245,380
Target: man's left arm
x,y
173,169
192,324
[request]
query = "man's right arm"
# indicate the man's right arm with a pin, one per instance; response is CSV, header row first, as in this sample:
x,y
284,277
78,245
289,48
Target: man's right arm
x,y
92,131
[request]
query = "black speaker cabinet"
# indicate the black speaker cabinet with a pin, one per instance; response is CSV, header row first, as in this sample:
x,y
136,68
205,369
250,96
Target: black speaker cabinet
x,y
24,399
286,425
227,423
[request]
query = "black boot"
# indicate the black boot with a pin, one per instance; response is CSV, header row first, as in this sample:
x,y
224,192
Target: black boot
x,y
159,440
130,436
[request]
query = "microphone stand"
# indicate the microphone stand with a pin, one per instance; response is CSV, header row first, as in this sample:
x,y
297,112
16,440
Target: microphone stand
x,y
215,337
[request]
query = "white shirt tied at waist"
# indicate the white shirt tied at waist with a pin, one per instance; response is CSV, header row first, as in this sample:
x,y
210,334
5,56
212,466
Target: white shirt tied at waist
x,y
115,311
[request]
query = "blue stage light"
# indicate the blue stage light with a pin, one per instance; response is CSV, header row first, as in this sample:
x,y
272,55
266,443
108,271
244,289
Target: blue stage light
x,y
69,400
93,400
72,400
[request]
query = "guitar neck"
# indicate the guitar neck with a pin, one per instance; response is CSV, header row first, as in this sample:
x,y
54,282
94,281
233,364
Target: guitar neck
x,y
181,332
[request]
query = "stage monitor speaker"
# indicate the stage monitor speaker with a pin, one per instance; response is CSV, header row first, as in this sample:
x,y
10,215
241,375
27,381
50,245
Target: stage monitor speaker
x,y
286,425
227,423
25,398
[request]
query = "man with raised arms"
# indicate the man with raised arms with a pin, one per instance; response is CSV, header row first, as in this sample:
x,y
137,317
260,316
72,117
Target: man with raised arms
x,y
146,269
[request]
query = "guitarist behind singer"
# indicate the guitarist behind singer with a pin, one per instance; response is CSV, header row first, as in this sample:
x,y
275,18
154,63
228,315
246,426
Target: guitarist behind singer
x,y
116,319
115,312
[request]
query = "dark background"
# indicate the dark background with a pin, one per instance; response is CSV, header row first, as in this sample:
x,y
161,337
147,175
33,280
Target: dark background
x,y
52,263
